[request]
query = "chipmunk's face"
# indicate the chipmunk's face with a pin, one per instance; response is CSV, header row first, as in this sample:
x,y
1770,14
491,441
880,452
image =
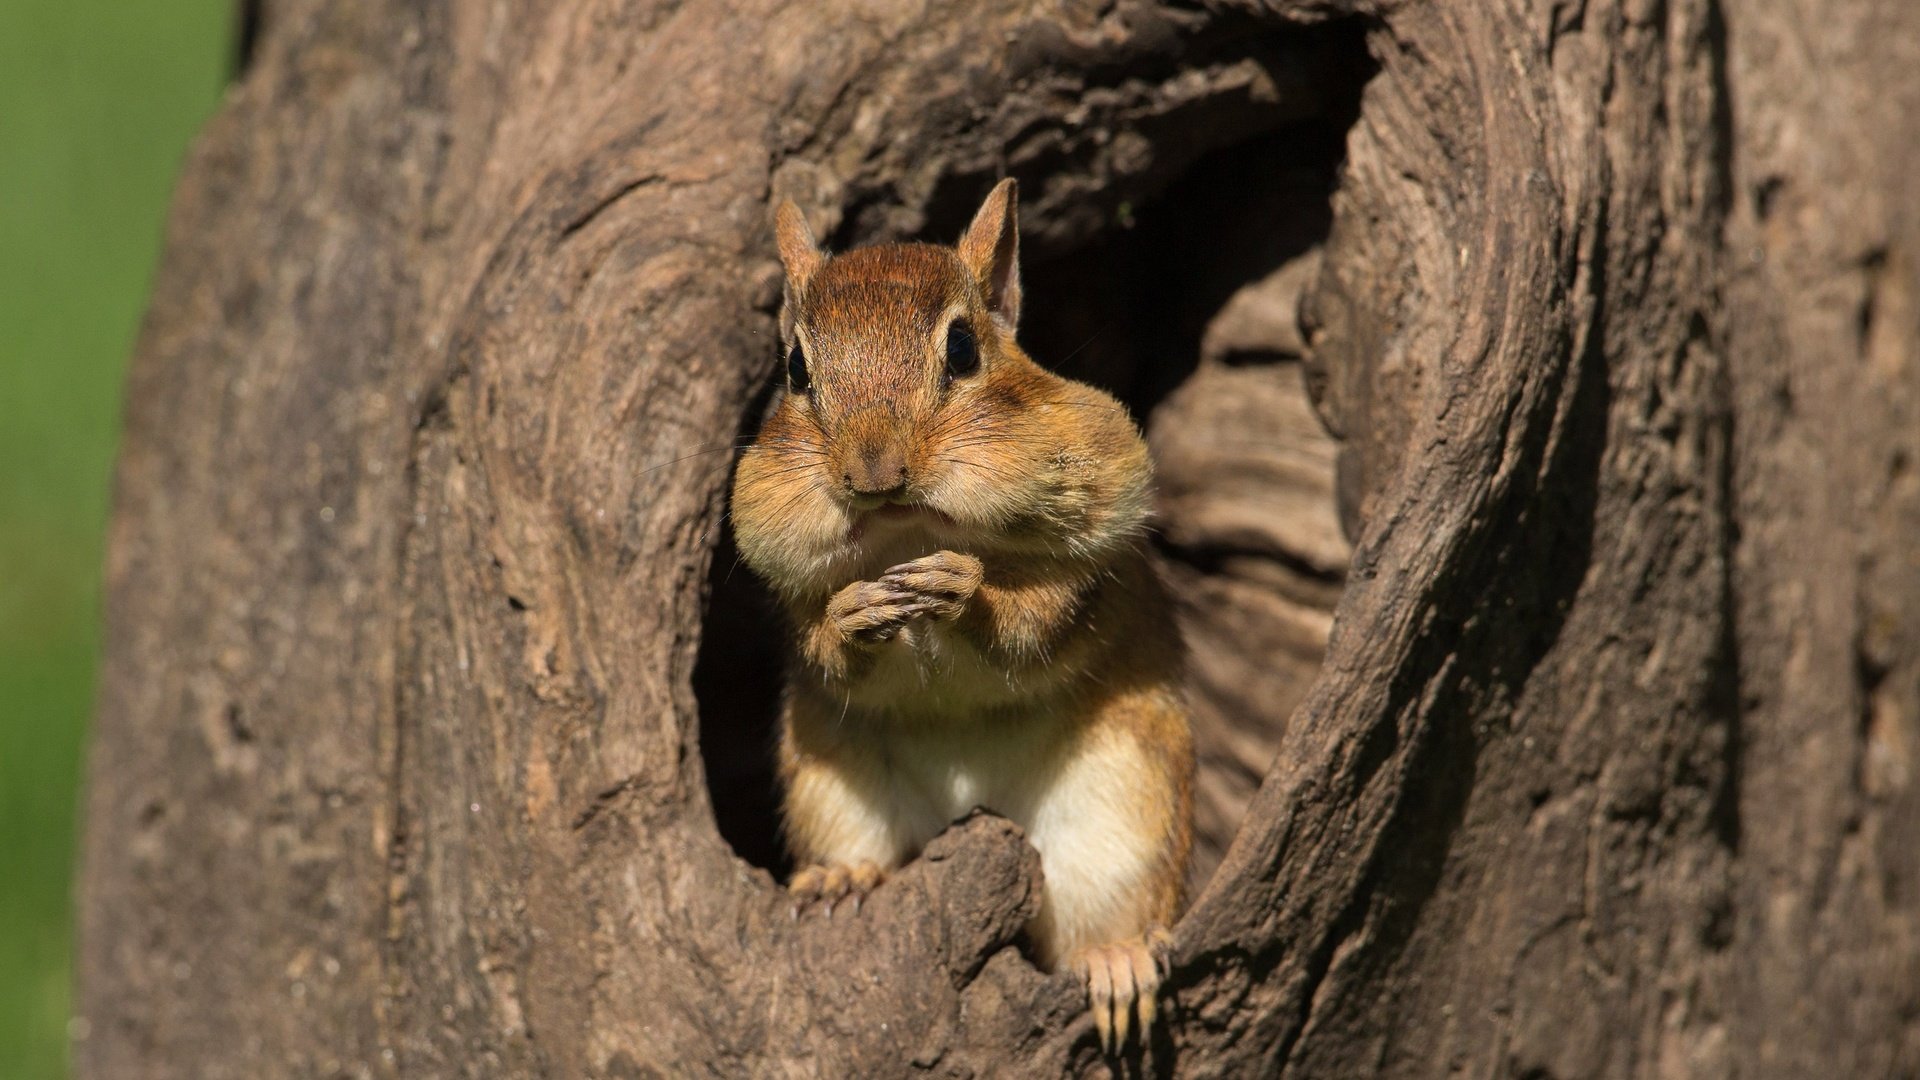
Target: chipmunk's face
x,y
911,421
891,366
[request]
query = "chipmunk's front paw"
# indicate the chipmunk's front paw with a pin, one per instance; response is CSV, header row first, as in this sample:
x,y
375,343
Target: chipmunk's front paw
x,y
1122,981
871,612
829,885
944,580
937,586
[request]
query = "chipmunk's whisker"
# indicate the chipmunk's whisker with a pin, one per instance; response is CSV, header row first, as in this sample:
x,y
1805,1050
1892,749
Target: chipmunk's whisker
x,y
1082,345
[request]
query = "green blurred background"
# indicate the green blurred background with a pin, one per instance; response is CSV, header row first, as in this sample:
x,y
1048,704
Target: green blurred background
x,y
98,100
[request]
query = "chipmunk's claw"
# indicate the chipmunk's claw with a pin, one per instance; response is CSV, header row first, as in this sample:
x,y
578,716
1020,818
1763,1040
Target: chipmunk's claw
x,y
945,580
872,612
1123,984
827,886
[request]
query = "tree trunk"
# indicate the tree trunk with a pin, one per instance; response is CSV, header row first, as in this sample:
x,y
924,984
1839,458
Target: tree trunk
x,y
431,738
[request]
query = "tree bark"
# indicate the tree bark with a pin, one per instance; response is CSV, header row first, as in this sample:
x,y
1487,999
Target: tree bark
x,y
429,693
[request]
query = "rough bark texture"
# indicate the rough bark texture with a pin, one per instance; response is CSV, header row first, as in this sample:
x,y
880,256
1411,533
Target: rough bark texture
x,y
427,702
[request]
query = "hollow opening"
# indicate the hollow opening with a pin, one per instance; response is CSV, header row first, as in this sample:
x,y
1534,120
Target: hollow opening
x,y
1178,293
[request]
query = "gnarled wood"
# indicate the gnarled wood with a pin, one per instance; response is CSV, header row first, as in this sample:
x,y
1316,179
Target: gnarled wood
x,y
1608,768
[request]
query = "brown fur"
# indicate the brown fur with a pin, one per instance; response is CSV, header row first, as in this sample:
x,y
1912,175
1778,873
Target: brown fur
x,y
962,560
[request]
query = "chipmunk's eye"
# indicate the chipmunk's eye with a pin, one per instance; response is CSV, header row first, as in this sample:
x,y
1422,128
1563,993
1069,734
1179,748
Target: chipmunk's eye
x,y
797,380
963,353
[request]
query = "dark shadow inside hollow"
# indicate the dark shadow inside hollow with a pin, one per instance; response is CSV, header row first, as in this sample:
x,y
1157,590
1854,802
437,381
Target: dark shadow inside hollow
x,y
739,694
1180,302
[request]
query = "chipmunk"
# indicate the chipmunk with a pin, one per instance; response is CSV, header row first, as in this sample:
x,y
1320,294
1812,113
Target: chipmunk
x,y
958,537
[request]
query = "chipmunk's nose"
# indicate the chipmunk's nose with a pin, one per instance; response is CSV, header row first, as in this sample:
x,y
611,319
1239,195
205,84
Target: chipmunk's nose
x,y
877,470
870,454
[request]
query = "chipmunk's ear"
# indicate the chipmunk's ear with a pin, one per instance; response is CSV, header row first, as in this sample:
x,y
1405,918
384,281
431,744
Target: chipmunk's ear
x,y
799,252
991,249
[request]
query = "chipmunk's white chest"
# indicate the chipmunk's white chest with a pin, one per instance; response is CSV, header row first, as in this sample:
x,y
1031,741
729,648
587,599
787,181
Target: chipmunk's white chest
x,y
942,772
1072,791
